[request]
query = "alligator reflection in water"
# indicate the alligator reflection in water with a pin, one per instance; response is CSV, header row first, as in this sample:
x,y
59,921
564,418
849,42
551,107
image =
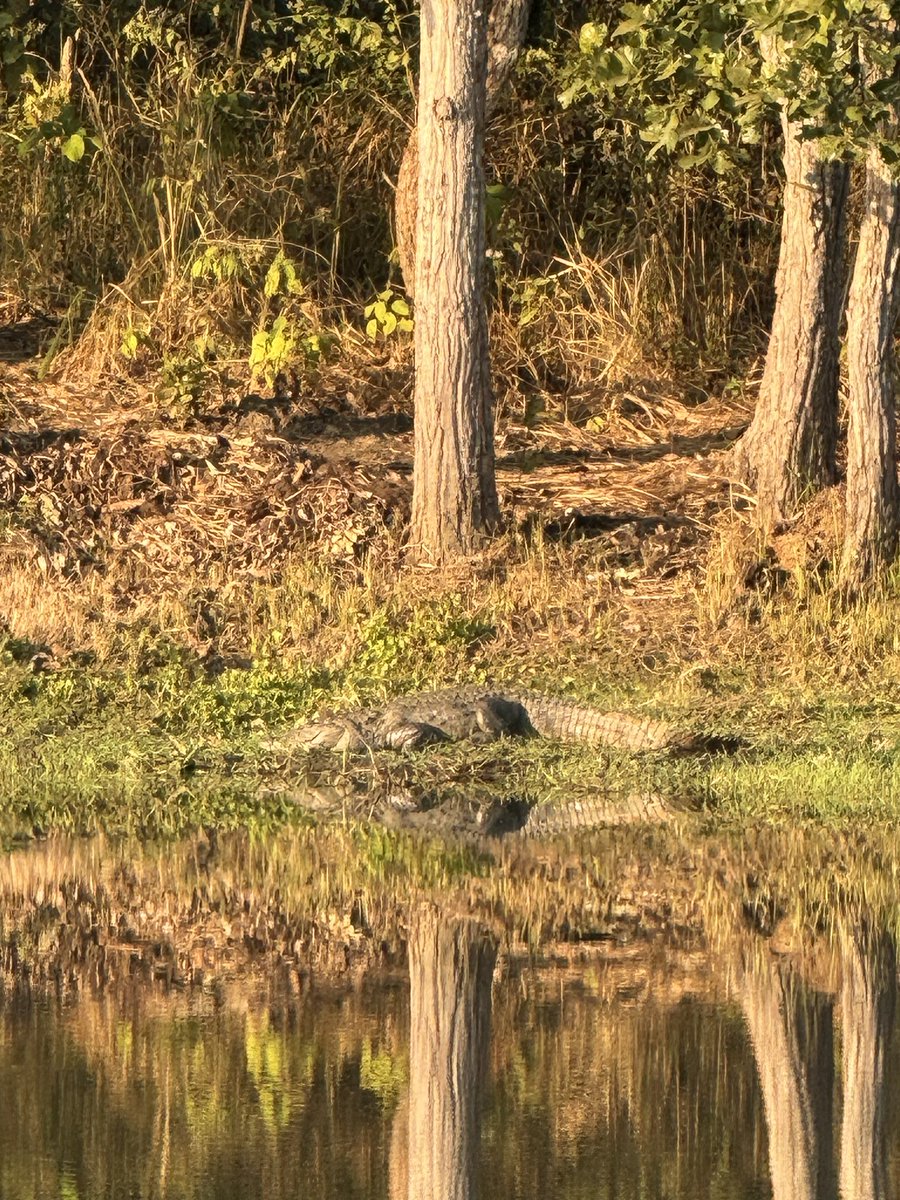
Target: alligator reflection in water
x,y
486,814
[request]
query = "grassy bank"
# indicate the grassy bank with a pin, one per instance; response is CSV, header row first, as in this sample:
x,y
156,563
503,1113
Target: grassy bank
x,y
140,727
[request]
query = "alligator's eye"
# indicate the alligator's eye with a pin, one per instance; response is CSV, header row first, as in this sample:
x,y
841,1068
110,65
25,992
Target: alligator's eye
x,y
488,719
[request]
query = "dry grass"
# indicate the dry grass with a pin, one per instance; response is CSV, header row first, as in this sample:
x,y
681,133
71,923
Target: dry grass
x,y
273,526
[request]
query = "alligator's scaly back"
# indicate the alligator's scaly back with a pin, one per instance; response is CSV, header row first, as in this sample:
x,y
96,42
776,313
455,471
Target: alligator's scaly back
x,y
483,715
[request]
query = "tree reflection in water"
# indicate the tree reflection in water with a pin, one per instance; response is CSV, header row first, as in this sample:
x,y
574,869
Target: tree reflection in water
x,y
451,965
791,1023
722,1060
868,1004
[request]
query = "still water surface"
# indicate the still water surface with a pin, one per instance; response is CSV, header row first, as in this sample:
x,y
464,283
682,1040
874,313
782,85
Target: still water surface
x,y
594,1087
731,1040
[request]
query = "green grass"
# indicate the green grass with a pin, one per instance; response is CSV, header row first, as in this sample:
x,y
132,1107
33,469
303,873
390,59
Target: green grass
x,y
157,751
139,731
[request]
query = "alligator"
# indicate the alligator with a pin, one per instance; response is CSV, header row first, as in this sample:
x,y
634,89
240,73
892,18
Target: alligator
x,y
482,715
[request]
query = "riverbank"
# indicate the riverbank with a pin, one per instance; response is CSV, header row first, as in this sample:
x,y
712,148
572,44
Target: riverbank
x,y
175,590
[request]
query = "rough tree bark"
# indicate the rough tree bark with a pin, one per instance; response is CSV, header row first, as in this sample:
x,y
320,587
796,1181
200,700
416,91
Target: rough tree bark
x,y
868,1000
792,1035
451,964
789,448
454,490
507,25
873,502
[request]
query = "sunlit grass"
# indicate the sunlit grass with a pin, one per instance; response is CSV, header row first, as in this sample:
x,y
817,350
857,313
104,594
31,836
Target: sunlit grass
x,y
147,732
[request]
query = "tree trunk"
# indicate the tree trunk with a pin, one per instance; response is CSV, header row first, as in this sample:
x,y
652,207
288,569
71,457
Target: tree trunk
x,y
792,1035
868,996
789,448
451,964
507,25
454,491
873,505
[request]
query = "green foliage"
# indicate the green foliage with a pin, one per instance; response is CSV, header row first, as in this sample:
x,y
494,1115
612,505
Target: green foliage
x,y
49,120
220,264
382,1074
412,645
282,278
272,349
385,855
346,46
387,315
497,198
134,340
283,343
700,78
210,118
185,377
276,345
534,296
266,1066
231,134
17,32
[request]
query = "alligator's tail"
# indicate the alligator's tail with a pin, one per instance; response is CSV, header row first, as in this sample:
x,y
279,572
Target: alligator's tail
x,y
580,724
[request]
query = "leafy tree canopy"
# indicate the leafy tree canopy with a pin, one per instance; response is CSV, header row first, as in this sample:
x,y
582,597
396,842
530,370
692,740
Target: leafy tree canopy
x,y
700,79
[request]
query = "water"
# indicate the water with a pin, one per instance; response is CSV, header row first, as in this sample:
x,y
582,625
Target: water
x,y
746,1057
154,1096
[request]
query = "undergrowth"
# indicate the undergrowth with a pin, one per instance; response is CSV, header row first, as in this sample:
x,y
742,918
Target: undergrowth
x,y
228,186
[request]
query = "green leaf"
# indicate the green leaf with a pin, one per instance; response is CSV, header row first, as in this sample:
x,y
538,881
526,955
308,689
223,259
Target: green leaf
x,y
710,100
73,147
273,280
627,27
686,161
740,77
591,37
400,307
12,52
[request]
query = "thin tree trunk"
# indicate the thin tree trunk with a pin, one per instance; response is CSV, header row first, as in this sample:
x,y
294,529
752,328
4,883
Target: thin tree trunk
x,y
454,490
792,1035
507,25
451,964
873,503
789,449
398,1166
868,999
